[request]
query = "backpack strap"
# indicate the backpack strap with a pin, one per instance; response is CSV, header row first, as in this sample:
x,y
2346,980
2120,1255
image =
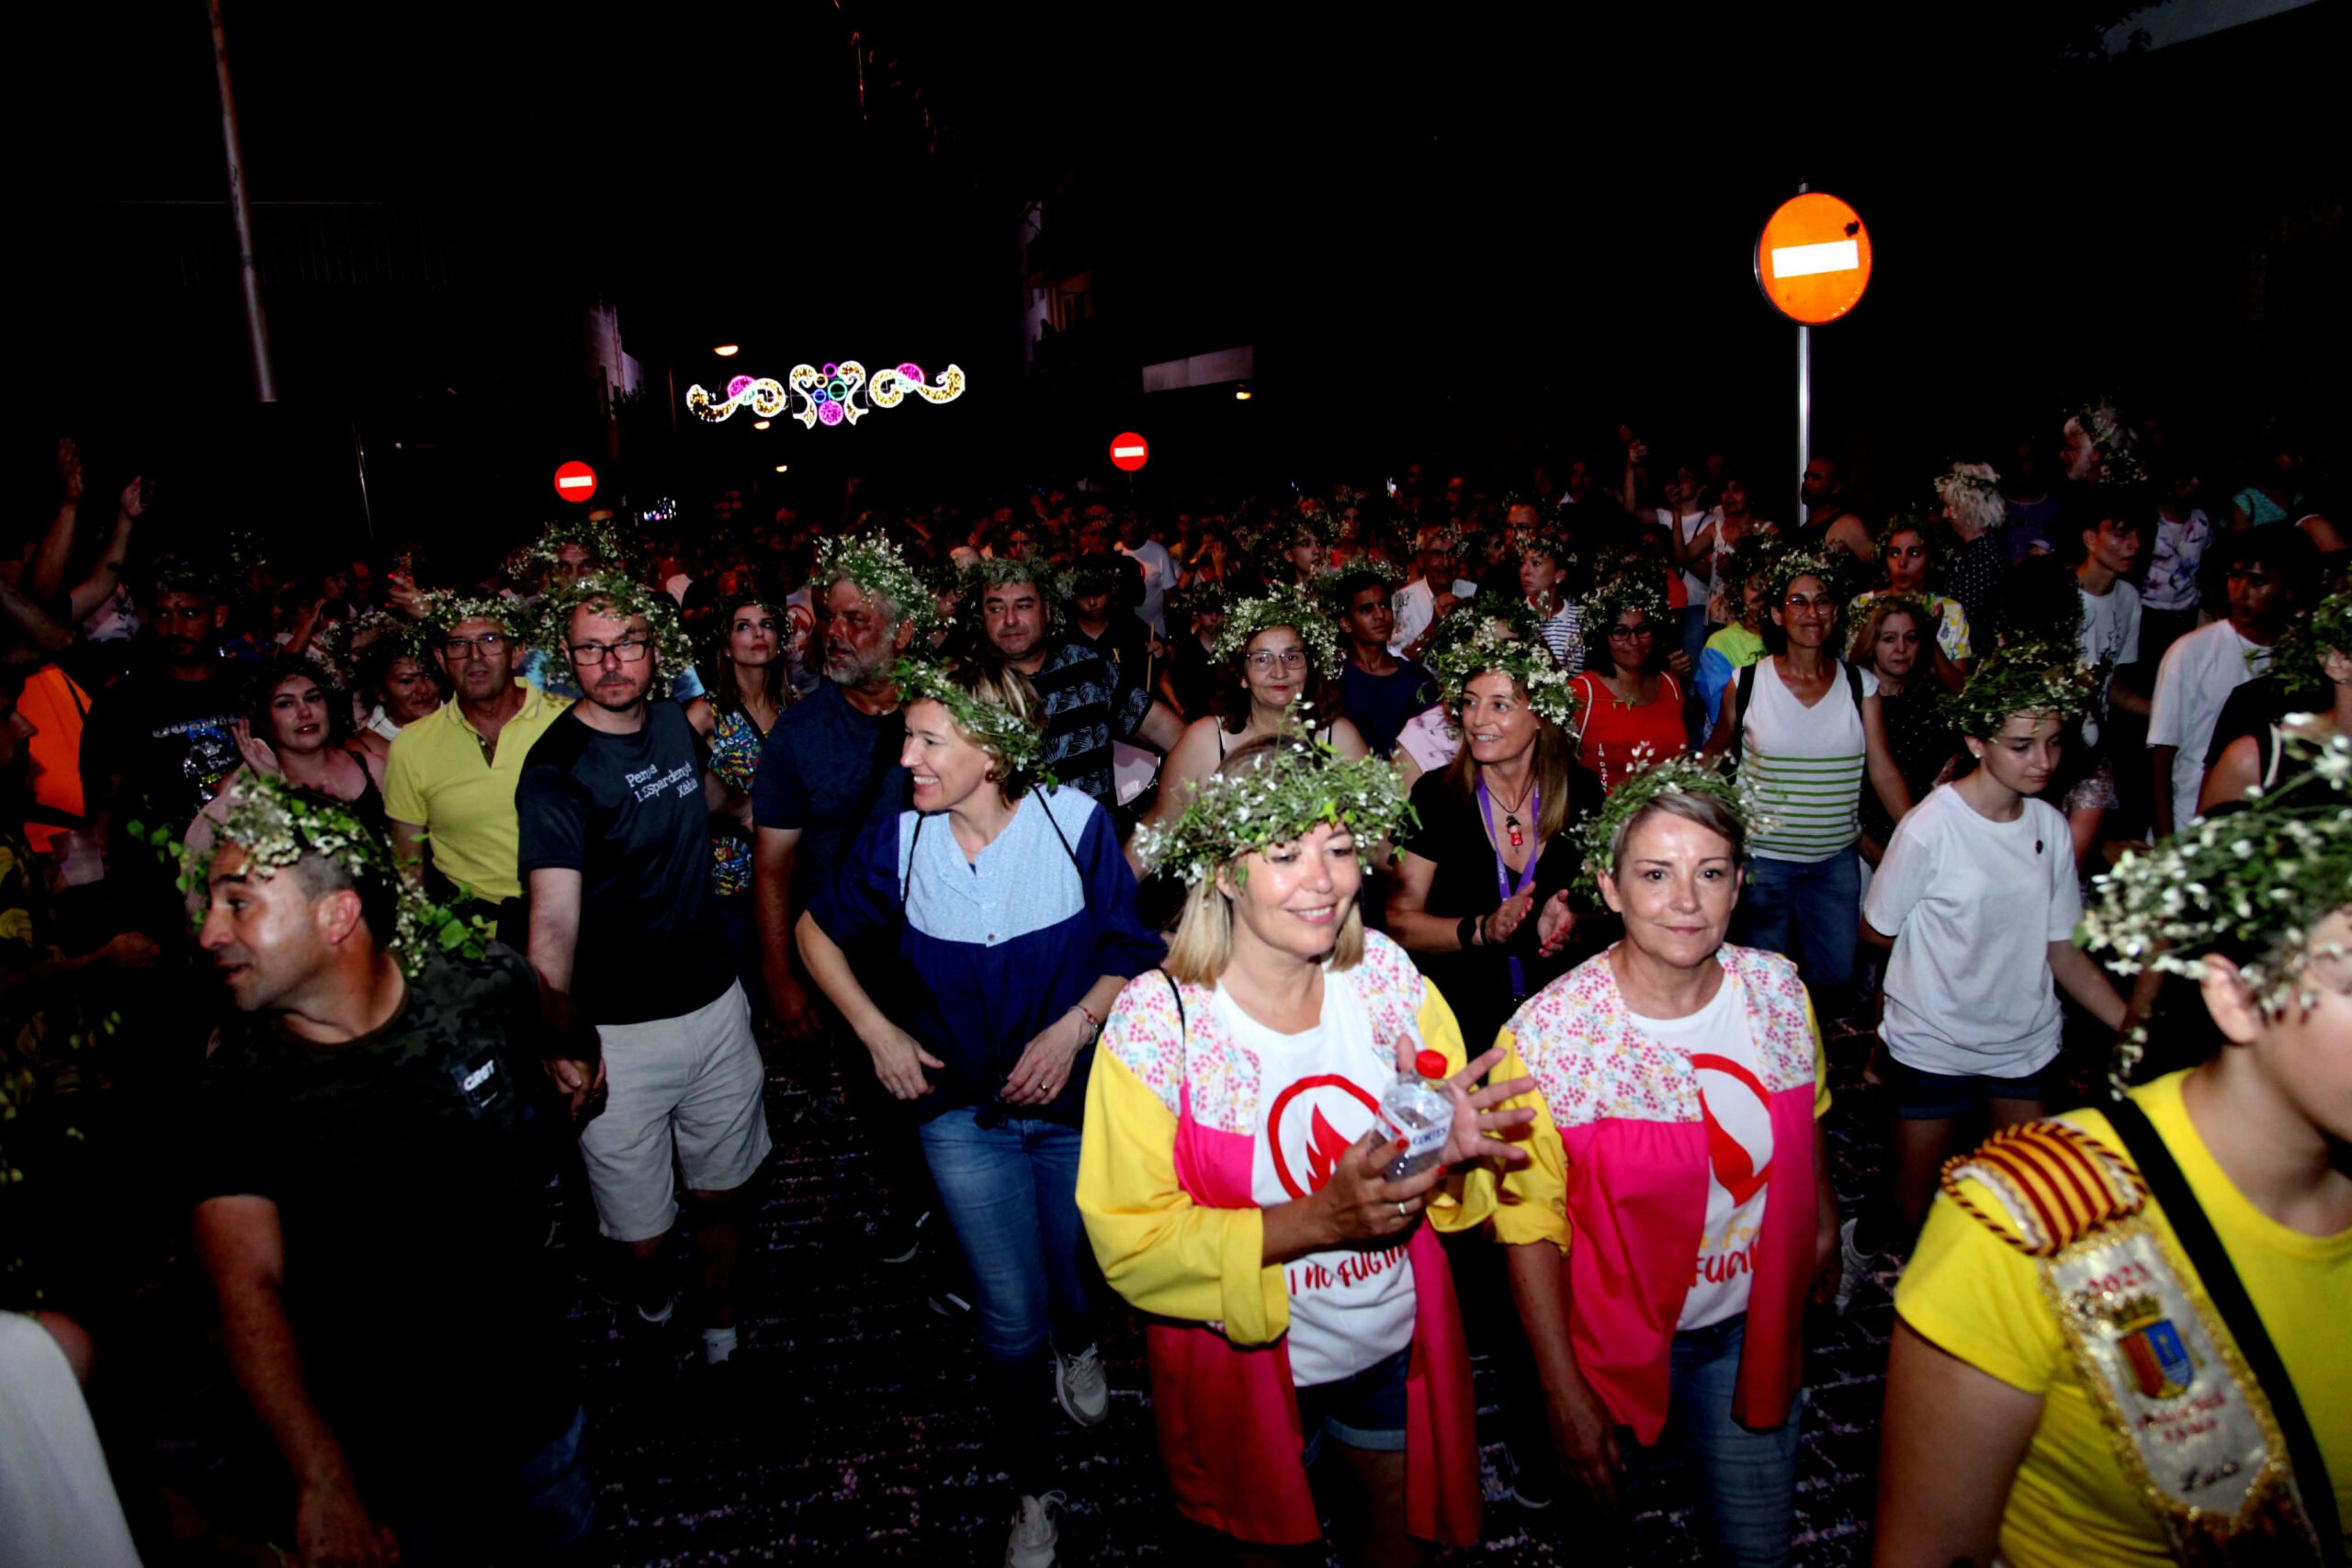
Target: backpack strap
x,y
1177,993
1744,687
1854,684
2227,1293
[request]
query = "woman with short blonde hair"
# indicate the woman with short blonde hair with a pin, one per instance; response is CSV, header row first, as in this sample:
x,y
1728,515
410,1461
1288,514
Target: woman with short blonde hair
x,y
1236,1179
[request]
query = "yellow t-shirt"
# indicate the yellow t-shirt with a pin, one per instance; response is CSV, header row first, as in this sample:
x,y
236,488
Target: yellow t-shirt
x,y
439,780
1971,1294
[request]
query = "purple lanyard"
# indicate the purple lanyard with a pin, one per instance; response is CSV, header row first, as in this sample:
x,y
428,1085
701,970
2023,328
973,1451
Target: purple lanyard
x,y
1502,872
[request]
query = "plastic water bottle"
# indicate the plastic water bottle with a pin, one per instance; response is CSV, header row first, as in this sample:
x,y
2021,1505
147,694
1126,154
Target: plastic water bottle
x,y
1416,1109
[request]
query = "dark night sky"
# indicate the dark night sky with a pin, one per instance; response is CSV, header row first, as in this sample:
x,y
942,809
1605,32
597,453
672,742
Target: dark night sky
x,y
1449,228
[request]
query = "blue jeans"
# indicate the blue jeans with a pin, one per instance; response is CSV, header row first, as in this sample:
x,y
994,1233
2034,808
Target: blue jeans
x,y
1011,1192
543,1511
1810,911
1747,1478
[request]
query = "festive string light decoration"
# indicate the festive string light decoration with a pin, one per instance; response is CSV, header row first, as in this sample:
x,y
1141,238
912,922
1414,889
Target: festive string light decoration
x,y
837,393
766,394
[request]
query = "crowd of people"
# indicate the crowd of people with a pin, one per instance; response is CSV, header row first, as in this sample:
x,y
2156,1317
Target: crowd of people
x,y
1340,931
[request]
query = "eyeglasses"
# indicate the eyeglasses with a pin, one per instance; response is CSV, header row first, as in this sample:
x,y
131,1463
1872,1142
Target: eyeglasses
x,y
459,647
1630,633
629,650
1289,658
1800,601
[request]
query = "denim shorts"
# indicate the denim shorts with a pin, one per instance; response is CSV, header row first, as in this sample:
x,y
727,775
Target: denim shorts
x,y
1365,1410
1921,1096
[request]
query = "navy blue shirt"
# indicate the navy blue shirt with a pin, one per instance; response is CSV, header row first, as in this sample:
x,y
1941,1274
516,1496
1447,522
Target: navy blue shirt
x,y
1380,705
825,769
993,950
627,813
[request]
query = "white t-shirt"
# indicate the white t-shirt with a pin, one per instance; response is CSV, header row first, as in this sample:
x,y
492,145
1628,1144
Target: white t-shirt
x,y
1738,1112
1685,526
1415,606
2199,672
1972,906
2172,567
1319,1093
1159,576
57,1499
2111,637
1430,738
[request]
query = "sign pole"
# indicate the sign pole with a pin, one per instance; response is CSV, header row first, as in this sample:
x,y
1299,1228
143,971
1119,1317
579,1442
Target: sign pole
x,y
1805,419
1805,410
1812,261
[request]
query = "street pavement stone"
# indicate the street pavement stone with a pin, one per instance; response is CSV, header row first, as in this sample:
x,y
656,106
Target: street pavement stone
x,y
854,1432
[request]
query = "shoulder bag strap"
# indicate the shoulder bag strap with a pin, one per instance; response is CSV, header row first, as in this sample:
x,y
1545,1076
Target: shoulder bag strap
x,y
1045,806
907,881
1854,684
1177,992
2227,1293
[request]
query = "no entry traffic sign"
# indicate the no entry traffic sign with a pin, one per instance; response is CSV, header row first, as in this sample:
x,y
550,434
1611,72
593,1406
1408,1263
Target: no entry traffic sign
x,y
1812,261
1128,451
576,482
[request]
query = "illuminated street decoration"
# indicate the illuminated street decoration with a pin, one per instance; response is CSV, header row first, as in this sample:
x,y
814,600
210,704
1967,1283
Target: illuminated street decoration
x,y
766,394
831,394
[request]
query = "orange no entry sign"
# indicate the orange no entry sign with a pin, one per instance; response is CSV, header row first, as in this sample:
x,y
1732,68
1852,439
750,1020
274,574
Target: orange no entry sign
x,y
1813,260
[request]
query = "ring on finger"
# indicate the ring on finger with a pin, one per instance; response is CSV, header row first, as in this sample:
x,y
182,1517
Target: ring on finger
x,y
1402,1211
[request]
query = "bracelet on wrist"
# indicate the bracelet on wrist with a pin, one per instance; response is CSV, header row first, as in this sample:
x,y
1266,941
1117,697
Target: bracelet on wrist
x,y
1468,932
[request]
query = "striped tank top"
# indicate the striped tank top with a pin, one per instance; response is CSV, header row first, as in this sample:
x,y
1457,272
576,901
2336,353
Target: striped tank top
x,y
1806,765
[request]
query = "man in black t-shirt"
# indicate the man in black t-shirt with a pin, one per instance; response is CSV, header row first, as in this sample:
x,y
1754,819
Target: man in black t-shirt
x,y
368,1164
158,739
616,861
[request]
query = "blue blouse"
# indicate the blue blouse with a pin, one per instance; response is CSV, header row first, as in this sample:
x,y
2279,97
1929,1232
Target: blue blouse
x,y
974,957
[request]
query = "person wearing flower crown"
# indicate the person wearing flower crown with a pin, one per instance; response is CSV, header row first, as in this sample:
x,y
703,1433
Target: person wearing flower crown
x,y
2120,1341
1977,898
369,1169
1629,700
1481,858
1807,734
1676,1213
1010,913
1281,652
1232,1176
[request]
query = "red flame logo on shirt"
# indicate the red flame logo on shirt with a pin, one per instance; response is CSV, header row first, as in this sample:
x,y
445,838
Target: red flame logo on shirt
x,y
1324,1147
1324,1144
1734,1169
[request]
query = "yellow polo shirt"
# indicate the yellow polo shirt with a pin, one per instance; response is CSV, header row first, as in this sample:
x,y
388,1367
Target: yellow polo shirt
x,y
441,779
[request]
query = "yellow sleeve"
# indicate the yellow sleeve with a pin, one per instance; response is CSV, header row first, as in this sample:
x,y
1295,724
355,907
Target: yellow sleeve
x,y
1159,1250
1971,1294
404,799
1532,1200
1820,1062
1465,1200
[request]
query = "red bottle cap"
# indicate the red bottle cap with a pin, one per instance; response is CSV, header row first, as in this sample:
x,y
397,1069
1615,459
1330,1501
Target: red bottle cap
x,y
1431,1064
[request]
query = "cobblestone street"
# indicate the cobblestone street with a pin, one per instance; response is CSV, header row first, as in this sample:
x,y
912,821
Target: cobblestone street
x,y
863,1438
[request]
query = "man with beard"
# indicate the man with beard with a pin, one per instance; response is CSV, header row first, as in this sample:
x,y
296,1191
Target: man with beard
x,y
626,936
829,766
449,785
367,1161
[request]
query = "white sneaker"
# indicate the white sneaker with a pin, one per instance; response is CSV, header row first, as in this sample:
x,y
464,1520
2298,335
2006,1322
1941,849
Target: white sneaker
x,y
1853,1264
1080,1386
1034,1535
